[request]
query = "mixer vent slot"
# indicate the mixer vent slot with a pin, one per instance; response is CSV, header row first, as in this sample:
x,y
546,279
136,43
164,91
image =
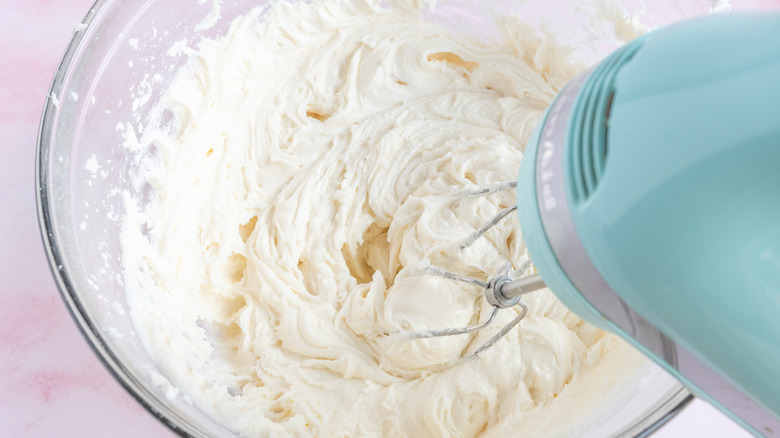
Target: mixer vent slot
x,y
590,136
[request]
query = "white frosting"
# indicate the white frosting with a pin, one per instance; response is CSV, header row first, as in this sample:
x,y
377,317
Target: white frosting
x,y
311,169
720,6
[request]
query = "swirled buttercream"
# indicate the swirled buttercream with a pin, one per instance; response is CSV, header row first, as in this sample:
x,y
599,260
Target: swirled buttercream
x,y
309,168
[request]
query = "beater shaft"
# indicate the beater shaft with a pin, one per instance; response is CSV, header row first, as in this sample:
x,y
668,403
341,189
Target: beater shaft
x,y
505,291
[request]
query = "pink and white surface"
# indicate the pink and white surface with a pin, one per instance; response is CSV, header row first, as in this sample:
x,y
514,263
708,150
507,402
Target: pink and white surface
x,y
51,383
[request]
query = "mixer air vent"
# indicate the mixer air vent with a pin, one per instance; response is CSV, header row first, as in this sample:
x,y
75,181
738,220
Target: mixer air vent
x,y
590,118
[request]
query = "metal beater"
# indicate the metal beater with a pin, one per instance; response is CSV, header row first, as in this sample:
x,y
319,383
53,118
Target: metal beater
x,y
502,290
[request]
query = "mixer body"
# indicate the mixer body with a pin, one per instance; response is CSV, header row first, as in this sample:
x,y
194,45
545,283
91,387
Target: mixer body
x,y
649,199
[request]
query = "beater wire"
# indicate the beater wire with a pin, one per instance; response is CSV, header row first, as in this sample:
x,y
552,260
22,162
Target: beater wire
x,y
423,334
433,270
504,330
500,187
467,242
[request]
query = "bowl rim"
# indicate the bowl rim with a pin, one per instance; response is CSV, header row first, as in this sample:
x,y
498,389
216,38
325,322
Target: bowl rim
x,y
151,403
54,255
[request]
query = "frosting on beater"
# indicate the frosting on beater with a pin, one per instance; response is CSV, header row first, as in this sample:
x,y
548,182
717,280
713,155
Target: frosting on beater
x,y
312,169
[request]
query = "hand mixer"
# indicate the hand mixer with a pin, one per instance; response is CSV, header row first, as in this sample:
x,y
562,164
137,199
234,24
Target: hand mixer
x,y
649,200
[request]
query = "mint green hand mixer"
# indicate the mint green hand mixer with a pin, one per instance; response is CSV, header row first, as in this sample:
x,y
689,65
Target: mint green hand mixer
x,y
649,200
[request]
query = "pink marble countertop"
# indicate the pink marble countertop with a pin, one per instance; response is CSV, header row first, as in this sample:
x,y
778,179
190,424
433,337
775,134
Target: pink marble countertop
x,y
51,384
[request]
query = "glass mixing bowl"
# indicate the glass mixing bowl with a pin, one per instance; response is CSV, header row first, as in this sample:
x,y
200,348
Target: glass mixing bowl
x,y
104,81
